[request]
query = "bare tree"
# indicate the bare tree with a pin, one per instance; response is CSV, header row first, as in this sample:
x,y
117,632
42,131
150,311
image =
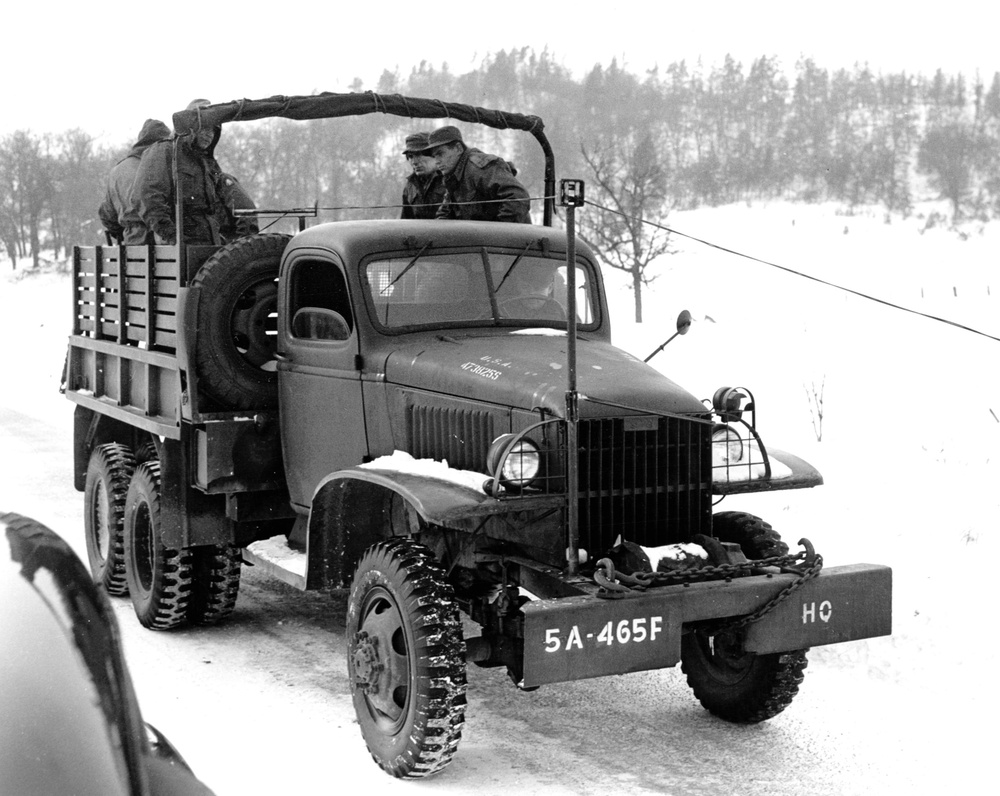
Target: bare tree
x,y
629,183
814,395
26,175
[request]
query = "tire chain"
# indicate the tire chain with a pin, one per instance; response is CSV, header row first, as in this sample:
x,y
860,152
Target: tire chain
x,y
618,585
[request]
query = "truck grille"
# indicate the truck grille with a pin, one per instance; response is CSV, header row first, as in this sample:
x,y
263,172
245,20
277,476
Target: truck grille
x,y
460,436
645,478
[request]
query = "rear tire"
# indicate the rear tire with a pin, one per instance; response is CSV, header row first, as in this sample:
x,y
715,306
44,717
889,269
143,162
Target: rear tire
x,y
406,659
159,579
215,583
730,682
105,489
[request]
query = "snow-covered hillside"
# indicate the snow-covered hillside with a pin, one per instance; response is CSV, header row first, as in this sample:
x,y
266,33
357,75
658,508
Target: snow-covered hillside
x,y
910,428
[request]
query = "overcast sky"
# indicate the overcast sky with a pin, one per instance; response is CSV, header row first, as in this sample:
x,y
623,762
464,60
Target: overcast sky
x,y
106,66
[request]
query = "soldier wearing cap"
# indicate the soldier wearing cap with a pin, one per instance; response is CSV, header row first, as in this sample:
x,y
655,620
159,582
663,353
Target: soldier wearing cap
x,y
478,186
424,189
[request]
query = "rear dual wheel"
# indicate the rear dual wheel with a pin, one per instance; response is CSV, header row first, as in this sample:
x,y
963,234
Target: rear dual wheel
x,y
109,473
215,583
170,587
729,681
159,579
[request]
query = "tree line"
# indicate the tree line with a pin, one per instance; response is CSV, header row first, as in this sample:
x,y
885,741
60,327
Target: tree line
x,y
677,137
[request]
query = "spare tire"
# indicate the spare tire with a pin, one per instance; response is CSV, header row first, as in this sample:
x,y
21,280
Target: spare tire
x,y
237,322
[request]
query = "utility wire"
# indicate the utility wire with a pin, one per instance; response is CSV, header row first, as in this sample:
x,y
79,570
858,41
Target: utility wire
x,y
796,273
734,252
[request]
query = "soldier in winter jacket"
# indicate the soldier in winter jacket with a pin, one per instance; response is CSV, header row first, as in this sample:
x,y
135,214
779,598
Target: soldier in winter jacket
x,y
424,189
478,186
208,194
120,220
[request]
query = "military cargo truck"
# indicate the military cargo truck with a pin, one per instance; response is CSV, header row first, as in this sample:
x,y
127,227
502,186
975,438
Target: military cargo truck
x,y
431,415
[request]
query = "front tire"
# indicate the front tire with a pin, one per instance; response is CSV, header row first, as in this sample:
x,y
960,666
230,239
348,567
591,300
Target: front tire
x,y
406,659
730,682
159,579
109,473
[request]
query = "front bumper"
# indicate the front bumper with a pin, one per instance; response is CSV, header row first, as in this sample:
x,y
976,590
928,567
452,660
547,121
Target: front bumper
x,y
574,638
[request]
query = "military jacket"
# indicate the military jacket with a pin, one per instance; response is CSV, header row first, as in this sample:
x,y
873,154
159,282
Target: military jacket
x,y
422,196
483,188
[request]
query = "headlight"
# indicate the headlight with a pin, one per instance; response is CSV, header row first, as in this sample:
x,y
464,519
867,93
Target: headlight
x,y
728,403
727,447
520,466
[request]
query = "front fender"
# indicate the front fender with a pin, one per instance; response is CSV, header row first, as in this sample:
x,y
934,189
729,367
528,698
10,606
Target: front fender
x,y
788,471
437,501
352,509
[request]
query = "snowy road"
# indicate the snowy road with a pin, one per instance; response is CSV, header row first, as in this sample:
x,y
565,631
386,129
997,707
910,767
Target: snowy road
x,y
260,704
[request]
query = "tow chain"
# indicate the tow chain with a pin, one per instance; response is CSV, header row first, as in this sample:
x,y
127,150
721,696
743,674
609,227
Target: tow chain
x,y
616,585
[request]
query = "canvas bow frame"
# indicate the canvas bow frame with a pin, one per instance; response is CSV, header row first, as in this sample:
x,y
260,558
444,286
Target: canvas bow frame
x,y
330,105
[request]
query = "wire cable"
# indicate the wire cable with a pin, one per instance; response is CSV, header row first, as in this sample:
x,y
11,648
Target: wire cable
x,y
797,273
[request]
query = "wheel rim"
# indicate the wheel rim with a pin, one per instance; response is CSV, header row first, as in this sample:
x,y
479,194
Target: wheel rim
x,y
381,662
725,658
99,517
254,325
142,547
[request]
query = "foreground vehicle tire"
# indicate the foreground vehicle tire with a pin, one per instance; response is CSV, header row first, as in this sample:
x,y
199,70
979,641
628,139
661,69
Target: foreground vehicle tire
x,y
237,315
730,682
159,579
108,475
406,659
215,583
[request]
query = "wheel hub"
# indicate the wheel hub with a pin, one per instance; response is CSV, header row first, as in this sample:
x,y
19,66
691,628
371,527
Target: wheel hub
x,y
366,662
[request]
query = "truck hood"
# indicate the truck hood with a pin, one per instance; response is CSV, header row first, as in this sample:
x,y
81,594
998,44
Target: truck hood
x,y
527,370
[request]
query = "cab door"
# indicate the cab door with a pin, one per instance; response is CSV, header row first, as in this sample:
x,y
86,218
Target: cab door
x,y
319,383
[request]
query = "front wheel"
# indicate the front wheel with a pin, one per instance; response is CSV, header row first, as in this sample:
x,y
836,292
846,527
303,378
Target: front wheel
x,y
406,659
730,682
737,685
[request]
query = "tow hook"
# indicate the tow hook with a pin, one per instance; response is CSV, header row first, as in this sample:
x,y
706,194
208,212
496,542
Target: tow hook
x,y
808,561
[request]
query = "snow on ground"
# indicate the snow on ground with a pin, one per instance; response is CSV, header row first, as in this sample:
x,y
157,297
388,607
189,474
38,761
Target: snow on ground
x,y
910,407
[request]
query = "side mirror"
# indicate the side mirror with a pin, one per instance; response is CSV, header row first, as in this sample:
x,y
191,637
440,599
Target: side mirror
x,y
683,324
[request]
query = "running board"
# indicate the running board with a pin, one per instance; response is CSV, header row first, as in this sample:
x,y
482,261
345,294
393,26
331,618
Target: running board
x,y
278,560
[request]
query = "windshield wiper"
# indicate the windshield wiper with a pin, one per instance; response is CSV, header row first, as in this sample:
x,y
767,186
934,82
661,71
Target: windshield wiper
x,y
409,265
513,265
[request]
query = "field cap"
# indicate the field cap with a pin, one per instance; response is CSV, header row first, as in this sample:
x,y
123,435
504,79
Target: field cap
x,y
444,135
415,143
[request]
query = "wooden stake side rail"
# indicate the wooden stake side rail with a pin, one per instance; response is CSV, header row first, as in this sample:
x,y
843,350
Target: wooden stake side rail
x,y
142,388
123,352
132,305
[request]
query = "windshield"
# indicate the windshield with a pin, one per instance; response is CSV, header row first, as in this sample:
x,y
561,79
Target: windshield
x,y
477,288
